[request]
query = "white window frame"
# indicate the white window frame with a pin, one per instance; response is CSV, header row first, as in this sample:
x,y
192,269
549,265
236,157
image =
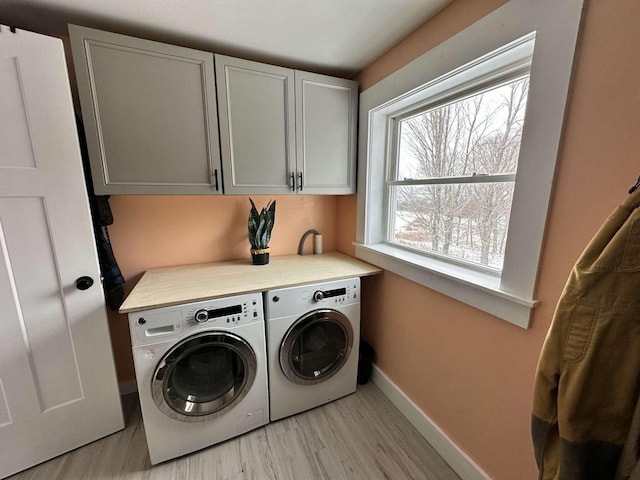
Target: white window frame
x,y
511,28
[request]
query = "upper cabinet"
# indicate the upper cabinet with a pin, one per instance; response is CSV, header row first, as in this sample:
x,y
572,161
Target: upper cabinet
x,y
151,121
326,113
257,126
285,131
149,112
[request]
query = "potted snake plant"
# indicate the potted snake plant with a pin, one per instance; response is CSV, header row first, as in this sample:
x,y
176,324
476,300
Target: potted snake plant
x,y
260,226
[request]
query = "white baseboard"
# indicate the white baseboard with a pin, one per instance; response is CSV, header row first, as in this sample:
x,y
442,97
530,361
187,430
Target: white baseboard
x,y
449,451
128,386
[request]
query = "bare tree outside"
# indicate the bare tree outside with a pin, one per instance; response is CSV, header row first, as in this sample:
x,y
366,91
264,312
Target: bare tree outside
x,y
474,137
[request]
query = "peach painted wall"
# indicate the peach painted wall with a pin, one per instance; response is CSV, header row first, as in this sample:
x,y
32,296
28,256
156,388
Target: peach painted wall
x,y
165,230
468,371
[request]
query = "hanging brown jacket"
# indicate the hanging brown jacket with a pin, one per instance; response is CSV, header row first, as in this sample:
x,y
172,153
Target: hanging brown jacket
x,y
588,378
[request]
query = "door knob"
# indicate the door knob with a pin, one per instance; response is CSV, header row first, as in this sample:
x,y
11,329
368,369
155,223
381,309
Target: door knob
x,y
84,282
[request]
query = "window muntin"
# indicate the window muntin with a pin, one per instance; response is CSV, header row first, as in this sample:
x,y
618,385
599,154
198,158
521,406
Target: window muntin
x,y
452,171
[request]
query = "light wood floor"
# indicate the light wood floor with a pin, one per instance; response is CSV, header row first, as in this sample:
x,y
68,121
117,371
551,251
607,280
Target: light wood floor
x,y
362,436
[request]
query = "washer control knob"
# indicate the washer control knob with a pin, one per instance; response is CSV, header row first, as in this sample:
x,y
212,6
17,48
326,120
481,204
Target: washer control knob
x,y
201,316
318,295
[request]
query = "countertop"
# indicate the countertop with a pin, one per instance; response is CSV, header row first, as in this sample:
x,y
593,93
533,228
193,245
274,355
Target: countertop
x,y
161,287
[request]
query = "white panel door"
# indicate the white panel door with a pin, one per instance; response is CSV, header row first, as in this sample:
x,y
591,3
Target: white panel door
x,y
58,388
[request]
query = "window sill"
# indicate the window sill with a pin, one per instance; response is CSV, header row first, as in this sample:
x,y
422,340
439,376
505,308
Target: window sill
x,y
478,289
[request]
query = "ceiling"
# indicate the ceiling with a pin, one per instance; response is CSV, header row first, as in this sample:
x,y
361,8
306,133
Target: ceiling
x,y
338,37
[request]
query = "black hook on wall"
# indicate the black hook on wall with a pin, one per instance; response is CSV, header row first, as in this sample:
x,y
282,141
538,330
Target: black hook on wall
x,y
635,187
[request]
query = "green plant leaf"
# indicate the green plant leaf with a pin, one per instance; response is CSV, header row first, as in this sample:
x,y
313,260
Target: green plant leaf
x,y
253,228
254,210
266,236
258,237
271,208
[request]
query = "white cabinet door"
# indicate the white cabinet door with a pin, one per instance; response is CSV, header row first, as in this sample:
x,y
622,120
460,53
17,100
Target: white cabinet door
x,y
58,388
285,131
149,112
326,115
257,135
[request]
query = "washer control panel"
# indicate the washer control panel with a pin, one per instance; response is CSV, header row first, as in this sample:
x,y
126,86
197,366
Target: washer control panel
x,y
156,325
245,309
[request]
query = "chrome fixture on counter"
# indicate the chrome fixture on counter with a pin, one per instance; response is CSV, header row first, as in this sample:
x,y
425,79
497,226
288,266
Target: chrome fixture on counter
x,y
317,242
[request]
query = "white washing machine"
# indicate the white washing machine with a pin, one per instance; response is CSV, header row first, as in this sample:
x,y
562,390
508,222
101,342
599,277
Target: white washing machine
x,y
201,372
313,337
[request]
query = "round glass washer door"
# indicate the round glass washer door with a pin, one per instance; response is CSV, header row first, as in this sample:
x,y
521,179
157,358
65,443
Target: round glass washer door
x,y
316,346
204,375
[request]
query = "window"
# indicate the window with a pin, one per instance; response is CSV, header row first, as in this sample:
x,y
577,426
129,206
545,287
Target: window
x,y
457,156
452,173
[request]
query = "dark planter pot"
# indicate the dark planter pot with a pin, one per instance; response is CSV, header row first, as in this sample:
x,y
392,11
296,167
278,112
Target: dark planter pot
x,y
261,258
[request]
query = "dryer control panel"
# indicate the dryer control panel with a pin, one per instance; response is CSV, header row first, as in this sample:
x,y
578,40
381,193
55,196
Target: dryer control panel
x,y
339,295
294,300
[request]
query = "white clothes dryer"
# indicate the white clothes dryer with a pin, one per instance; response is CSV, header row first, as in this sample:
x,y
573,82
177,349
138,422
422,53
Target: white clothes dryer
x,y
201,372
313,335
